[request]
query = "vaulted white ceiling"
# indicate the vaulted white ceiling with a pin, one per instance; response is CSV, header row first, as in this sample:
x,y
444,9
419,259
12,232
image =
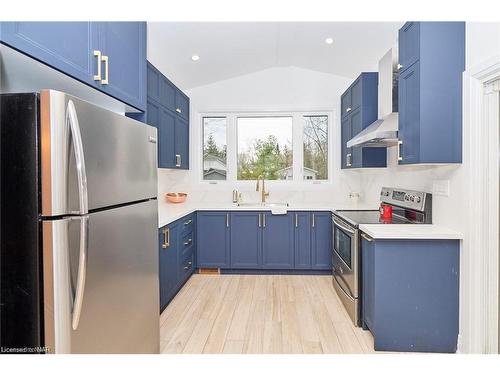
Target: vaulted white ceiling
x,y
230,49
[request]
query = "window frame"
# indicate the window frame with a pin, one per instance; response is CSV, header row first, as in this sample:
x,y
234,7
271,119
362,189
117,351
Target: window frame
x,y
297,144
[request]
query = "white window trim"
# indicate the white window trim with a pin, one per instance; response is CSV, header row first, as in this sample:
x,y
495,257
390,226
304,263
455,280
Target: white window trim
x,y
297,143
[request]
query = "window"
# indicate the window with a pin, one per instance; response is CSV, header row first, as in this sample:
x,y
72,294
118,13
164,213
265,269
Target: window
x,y
214,148
315,148
265,148
286,147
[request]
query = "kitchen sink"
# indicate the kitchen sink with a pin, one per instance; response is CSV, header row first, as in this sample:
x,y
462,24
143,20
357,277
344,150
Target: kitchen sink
x,y
277,208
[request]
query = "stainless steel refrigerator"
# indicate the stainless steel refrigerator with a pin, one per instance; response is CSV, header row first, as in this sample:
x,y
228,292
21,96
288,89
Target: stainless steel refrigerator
x,y
79,256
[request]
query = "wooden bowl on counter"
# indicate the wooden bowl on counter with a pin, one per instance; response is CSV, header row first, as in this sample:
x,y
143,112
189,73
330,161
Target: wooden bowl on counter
x,y
176,197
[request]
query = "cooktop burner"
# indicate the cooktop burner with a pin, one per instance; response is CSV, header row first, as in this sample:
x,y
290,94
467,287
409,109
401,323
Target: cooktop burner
x,y
369,217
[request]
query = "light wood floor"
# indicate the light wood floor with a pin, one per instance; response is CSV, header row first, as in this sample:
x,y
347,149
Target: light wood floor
x,y
259,314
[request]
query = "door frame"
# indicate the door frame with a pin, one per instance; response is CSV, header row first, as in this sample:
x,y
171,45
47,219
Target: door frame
x,y
479,306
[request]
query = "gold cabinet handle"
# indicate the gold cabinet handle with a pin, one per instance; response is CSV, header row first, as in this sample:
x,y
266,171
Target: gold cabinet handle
x,y
166,238
97,77
313,221
400,143
178,110
105,60
177,160
296,220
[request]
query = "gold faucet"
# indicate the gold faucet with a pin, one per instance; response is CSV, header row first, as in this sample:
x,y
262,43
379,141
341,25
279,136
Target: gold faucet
x,y
263,193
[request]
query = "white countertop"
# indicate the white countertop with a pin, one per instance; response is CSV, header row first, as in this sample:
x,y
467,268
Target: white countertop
x,y
169,212
408,231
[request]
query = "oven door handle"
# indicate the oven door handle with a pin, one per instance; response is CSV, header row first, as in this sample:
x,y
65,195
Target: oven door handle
x,y
342,289
344,228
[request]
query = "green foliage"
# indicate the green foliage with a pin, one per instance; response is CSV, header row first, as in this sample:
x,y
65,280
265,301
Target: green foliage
x,y
266,159
210,148
316,145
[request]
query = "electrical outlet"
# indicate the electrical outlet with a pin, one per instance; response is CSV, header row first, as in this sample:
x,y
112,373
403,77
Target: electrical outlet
x,y
441,187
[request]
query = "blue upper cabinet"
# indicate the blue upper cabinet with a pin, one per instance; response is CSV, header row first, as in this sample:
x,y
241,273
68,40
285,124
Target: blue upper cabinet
x,y
109,56
124,46
277,241
246,239
173,127
359,106
212,234
432,60
409,44
66,46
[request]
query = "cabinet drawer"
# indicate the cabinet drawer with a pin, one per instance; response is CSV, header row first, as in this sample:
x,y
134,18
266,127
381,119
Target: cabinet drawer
x,y
187,224
187,242
187,266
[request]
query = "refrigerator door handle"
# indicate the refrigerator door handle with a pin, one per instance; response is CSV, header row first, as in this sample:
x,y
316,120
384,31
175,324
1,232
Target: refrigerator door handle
x,y
74,126
82,271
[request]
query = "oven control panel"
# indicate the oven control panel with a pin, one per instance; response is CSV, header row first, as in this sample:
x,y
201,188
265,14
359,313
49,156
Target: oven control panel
x,y
412,199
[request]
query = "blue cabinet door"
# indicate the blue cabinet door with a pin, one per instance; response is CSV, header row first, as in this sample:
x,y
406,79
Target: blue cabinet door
x,y
182,104
321,241
212,235
345,103
356,124
409,114
356,94
181,143
409,44
246,240
368,283
124,43
164,122
277,241
66,46
302,243
169,274
166,140
346,156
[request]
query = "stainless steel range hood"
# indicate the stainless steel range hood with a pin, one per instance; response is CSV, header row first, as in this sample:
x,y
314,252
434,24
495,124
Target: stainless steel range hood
x,y
384,131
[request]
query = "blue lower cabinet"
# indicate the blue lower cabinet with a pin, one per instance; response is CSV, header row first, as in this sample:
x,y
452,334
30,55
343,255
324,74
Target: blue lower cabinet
x,y
302,240
368,282
321,239
169,254
277,241
177,256
246,239
419,312
212,234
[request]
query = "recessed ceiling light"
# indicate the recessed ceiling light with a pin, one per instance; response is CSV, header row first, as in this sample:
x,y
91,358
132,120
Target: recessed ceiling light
x,y
329,40
195,57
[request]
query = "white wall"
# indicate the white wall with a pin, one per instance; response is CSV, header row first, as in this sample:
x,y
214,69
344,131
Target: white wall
x,y
275,89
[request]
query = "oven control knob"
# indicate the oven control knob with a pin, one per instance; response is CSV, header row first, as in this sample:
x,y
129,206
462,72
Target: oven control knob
x,y
412,198
419,199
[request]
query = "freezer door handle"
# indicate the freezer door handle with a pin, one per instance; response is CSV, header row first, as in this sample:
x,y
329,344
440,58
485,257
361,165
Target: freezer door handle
x,y
74,126
82,271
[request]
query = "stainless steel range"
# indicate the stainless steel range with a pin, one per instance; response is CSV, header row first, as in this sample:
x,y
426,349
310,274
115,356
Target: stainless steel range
x,y
408,207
